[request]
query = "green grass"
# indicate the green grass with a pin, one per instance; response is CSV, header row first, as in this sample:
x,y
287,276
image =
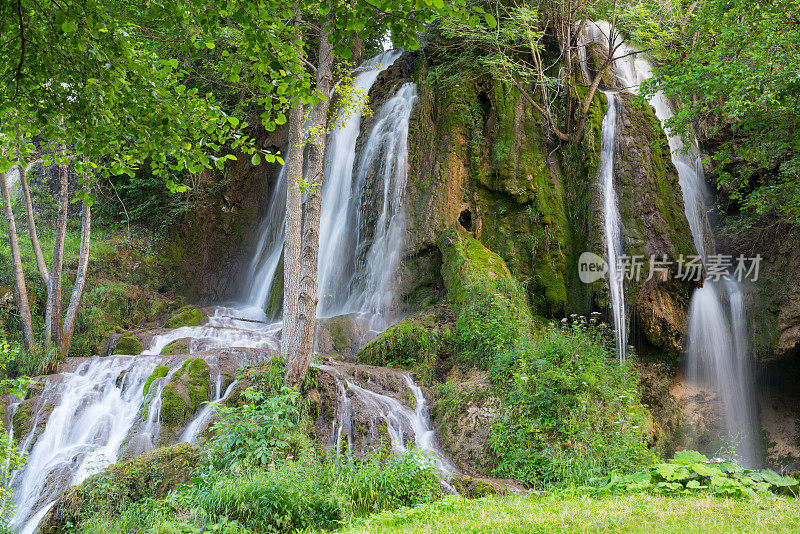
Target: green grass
x,y
553,513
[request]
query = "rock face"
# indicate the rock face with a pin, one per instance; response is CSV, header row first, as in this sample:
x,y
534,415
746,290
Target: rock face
x,y
149,476
653,223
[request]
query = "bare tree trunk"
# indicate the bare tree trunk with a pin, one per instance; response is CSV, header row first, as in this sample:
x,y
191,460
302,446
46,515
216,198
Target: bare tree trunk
x,y
294,213
294,222
37,248
80,282
303,341
20,290
53,327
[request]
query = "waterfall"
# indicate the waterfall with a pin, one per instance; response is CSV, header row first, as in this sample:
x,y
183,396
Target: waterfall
x,y
385,153
717,351
341,196
612,221
611,226
340,200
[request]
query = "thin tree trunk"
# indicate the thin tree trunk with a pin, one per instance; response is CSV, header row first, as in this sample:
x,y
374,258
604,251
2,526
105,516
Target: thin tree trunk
x,y
53,326
294,222
303,341
37,248
294,214
80,281
20,290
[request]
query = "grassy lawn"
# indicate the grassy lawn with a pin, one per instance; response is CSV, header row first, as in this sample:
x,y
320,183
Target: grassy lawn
x,y
627,513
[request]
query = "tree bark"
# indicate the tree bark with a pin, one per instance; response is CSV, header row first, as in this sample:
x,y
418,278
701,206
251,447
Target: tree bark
x,y
80,282
303,340
20,290
294,214
53,326
37,248
294,222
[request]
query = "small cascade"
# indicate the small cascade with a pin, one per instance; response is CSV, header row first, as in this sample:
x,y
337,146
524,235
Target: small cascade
x,y
200,422
269,249
405,426
100,414
95,407
717,350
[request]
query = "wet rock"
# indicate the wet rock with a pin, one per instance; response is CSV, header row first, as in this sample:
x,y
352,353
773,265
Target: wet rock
x,y
179,346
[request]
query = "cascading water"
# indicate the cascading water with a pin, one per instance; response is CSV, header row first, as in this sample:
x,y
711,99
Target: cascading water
x,y
716,349
340,201
612,221
385,153
611,226
344,286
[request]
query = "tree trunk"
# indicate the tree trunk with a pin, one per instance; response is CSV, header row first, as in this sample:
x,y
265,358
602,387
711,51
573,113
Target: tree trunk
x,y
37,248
294,222
294,214
20,290
53,327
80,282
303,340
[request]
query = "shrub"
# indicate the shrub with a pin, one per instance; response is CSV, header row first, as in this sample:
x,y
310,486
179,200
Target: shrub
x,y
287,497
571,410
380,483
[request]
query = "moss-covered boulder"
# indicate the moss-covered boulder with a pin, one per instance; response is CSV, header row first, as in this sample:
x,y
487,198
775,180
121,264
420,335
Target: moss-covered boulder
x,y
187,316
179,346
186,391
128,345
159,372
150,476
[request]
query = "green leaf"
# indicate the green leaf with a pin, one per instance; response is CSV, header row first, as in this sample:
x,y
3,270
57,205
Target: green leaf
x,y
69,26
689,457
490,20
256,159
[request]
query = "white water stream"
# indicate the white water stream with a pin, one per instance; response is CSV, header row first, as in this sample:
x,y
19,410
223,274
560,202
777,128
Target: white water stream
x,y
717,351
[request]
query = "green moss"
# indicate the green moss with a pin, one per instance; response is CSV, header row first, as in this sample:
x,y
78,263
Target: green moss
x,y
159,372
187,316
199,375
128,345
174,406
482,489
407,345
21,422
179,346
275,301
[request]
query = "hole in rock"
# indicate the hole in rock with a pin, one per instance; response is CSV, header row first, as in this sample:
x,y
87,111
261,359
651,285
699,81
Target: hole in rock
x,y
465,220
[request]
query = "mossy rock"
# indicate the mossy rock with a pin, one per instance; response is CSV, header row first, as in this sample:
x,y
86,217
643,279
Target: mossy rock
x,y
159,372
149,476
179,346
401,345
187,316
22,421
187,390
128,345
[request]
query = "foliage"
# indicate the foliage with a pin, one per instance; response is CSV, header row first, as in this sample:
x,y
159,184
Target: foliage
x,y
379,483
690,472
260,431
10,456
407,345
288,496
571,411
737,77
